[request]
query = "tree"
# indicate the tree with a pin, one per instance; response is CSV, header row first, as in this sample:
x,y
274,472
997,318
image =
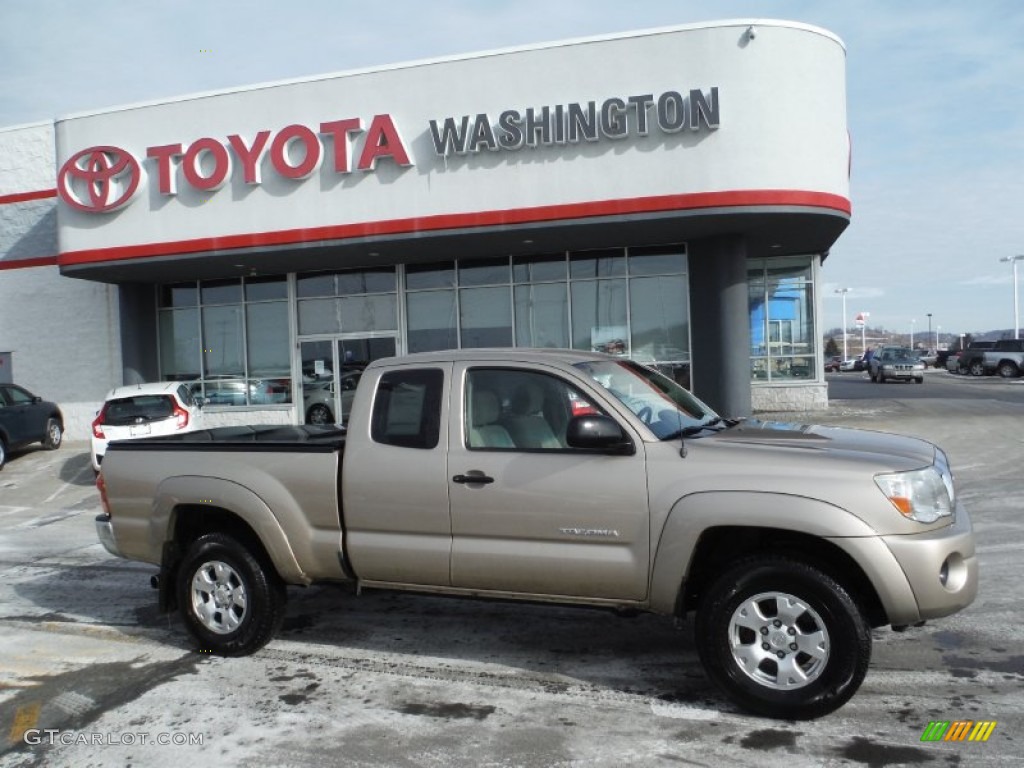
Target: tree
x,y
831,348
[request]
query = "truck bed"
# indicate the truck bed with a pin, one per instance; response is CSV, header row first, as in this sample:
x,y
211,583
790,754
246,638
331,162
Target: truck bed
x,y
270,437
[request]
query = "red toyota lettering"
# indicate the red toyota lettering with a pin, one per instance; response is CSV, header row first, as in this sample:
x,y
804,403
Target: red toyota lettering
x,y
250,156
191,166
280,151
164,155
339,131
382,140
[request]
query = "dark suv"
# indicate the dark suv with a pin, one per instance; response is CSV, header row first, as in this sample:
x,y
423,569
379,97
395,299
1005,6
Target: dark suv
x,y
26,418
900,363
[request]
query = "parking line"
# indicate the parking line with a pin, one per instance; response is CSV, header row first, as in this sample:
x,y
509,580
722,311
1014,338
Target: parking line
x,y
61,490
25,719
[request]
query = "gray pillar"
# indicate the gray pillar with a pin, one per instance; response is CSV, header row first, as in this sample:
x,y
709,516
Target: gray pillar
x,y
139,362
720,324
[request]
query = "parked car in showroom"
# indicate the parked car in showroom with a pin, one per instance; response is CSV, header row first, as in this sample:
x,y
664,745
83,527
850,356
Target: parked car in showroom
x,y
144,410
25,419
318,398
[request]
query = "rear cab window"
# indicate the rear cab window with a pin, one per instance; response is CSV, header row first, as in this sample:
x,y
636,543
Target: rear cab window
x,y
407,408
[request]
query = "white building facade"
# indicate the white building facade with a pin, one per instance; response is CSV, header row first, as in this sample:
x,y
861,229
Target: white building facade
x,y
665,195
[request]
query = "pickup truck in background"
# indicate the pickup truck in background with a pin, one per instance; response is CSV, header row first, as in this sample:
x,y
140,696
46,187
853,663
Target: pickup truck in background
x,y
561,476
985,358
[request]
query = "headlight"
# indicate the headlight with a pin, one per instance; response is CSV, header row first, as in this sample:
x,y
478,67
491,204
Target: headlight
x,y
919,495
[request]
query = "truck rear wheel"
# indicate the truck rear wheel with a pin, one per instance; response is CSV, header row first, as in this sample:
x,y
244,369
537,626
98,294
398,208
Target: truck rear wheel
x,y
1008,370
782,639
232,603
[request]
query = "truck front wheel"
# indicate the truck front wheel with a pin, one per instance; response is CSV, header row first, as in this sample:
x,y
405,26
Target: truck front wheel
x,y
231,602
782,639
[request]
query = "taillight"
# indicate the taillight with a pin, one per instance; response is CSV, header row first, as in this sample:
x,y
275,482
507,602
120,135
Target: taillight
x,y
181,415
97,423
101,486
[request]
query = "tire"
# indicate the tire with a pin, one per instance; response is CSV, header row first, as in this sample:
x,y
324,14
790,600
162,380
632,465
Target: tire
x,y
976,368
232,602
919,381
872,377
823,623
3,453
1008,370
54,435
319,414
881,376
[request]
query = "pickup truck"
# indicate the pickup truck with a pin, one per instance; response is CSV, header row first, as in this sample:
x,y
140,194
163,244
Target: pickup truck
x,y
1005,357
559,476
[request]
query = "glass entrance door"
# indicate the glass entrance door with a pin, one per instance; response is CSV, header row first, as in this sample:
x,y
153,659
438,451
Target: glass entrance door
x,y
330,371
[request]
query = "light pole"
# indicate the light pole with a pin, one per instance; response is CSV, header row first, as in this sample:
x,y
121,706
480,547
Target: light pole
x,y
930,332
912,321
842,292
1016,307
937,329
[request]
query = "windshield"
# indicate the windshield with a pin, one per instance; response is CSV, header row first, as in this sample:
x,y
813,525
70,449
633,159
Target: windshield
x,y
666,408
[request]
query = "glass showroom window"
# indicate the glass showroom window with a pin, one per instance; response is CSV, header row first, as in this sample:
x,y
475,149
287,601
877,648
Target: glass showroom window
x,y
541,301
358,301
782,336
633,302
230,337
468,306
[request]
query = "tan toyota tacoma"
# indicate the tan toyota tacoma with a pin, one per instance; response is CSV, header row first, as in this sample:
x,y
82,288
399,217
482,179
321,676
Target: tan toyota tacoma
x,y
562,476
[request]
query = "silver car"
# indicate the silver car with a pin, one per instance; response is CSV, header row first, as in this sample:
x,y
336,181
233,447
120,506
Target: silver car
x,y
318,400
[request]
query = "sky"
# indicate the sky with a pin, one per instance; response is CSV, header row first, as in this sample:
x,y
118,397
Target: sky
x,y
935,100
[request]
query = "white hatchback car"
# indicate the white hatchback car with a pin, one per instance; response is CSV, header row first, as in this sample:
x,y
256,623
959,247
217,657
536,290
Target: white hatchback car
x,y
141,410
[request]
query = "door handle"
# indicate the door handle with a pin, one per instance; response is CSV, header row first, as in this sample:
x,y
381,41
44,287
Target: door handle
x,y
473,477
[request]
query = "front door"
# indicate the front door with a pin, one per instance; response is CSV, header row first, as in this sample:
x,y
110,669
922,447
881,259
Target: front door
x,y
331,368
544,518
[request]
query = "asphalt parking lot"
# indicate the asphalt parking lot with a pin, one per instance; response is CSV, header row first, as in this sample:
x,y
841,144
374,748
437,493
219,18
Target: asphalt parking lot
x,y
92,674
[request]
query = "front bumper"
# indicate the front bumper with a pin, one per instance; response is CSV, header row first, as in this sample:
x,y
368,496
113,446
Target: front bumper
x,y
902,373
941,566
105,533
920,576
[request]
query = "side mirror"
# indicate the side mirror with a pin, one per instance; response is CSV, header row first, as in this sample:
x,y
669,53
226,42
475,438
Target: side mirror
x,y
598,433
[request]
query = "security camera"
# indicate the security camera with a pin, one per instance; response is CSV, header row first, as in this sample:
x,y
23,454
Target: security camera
x,y
751,33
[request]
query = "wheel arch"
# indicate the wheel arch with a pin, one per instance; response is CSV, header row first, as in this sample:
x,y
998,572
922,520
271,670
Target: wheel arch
x,y
706,531
720,547
187,507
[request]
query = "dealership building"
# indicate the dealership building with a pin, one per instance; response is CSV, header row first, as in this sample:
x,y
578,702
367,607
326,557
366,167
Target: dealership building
x,y
666,195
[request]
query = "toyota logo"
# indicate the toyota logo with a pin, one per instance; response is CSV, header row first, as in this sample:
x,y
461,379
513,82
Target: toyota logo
x,y
99,179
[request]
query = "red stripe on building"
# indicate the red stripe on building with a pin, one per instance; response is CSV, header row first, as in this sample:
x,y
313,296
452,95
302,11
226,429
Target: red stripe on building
x,y
659,204
22,197
40,261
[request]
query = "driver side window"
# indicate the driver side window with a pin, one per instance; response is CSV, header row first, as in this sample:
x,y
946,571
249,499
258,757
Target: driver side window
x,y
514,409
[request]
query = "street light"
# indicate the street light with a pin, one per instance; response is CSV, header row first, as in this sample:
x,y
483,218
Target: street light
x,y
912,321
843,292
930,332
1016,306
